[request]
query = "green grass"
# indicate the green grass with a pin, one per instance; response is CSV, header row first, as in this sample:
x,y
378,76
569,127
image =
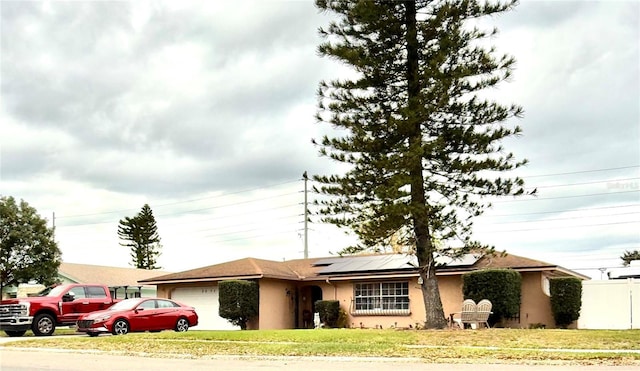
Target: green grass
x,y
490,345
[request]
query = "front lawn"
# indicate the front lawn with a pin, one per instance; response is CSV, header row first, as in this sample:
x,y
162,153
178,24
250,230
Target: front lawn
x,y
489,345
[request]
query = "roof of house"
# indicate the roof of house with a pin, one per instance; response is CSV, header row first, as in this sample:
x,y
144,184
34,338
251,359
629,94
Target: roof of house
x,y
110,276
316,269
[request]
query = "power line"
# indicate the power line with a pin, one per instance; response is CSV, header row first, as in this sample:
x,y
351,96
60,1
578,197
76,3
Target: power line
x,y
574,196
585,183
180,202
202,209
567,218
582,171
562,211
562,227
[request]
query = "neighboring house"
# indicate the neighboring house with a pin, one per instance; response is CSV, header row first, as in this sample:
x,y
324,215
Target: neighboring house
x,y
630,271
123,282
375,290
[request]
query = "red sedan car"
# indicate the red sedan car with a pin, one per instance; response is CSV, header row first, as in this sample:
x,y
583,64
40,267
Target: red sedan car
x,y
140,314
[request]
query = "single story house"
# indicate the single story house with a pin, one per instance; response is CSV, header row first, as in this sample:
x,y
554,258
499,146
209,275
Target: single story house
x,y
123,282
380,291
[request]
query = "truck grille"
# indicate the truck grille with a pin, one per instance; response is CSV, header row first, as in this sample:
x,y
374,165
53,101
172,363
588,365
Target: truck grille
x,y
12,310
85,323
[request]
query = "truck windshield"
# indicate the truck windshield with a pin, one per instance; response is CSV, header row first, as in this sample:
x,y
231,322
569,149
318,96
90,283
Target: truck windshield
x,y
44,291
52,291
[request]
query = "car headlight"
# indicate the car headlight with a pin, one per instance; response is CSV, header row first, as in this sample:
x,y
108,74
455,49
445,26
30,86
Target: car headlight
x,y
101,318
25,307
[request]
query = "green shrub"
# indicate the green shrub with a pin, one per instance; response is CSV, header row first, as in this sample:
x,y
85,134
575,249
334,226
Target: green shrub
x,y
329,311
502,287
566,300
239,301
343,319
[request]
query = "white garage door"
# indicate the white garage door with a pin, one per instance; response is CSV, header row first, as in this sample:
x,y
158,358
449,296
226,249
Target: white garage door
x,y
205,300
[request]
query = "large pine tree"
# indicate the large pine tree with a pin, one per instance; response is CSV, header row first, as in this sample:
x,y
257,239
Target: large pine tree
x,y
140,233
421,138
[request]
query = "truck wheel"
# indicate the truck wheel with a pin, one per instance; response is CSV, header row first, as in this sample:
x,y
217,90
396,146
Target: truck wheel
x,y
120,327
182,325
15,334
43,325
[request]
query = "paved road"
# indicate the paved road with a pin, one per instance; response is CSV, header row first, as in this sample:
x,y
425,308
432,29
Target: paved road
x,y
16,359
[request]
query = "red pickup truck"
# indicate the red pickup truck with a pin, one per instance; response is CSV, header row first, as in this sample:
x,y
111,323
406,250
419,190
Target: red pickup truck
x,y
54,306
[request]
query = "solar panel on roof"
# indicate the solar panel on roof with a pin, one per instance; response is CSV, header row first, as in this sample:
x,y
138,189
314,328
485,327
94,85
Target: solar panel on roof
x,y
388,262
370,263
465,260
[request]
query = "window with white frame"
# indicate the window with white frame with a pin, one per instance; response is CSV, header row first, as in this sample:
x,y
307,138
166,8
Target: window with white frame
x,y
381,298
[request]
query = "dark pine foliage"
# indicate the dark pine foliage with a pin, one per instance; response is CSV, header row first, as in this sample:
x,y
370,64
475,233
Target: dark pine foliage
x,y
140,234
419,136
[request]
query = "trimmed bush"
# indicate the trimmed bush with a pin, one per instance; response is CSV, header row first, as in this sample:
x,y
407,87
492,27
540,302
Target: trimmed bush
x,y
566,300
239,301
329,311
502,287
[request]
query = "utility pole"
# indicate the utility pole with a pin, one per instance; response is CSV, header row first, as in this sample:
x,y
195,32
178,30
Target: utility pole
x,y
306,218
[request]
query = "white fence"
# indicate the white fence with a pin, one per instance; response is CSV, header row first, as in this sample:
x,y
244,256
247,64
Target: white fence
x,y
610,304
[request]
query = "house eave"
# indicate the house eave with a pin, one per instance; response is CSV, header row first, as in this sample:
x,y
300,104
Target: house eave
x,y
363,277
201,279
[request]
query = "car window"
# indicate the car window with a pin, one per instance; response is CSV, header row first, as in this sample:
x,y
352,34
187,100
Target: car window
x,y
166,304
96,292
148,304
78,292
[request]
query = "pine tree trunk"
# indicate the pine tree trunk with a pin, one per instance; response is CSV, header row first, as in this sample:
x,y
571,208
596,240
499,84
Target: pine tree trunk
x,y
424,247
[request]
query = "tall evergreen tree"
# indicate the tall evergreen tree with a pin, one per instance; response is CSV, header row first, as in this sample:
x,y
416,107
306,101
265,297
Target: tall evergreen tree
x,y
28,250
140,233
421,138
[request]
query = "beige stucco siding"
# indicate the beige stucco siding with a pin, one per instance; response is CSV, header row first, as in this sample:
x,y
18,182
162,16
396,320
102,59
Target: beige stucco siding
x,y
535,305
343,291
450,294
277,304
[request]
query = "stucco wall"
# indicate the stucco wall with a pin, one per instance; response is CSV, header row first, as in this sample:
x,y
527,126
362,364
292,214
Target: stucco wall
x,y
343,291
277,304
535,305
450,294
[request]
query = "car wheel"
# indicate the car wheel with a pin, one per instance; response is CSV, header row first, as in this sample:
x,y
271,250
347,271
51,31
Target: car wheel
x,y
15,334
182,325
120,327
93,334
43,325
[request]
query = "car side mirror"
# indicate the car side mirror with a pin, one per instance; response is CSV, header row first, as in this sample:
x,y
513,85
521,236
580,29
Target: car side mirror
x,y
68,297
139,310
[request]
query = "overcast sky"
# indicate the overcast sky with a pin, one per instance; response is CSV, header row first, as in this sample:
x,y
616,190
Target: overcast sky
x,y
205,110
